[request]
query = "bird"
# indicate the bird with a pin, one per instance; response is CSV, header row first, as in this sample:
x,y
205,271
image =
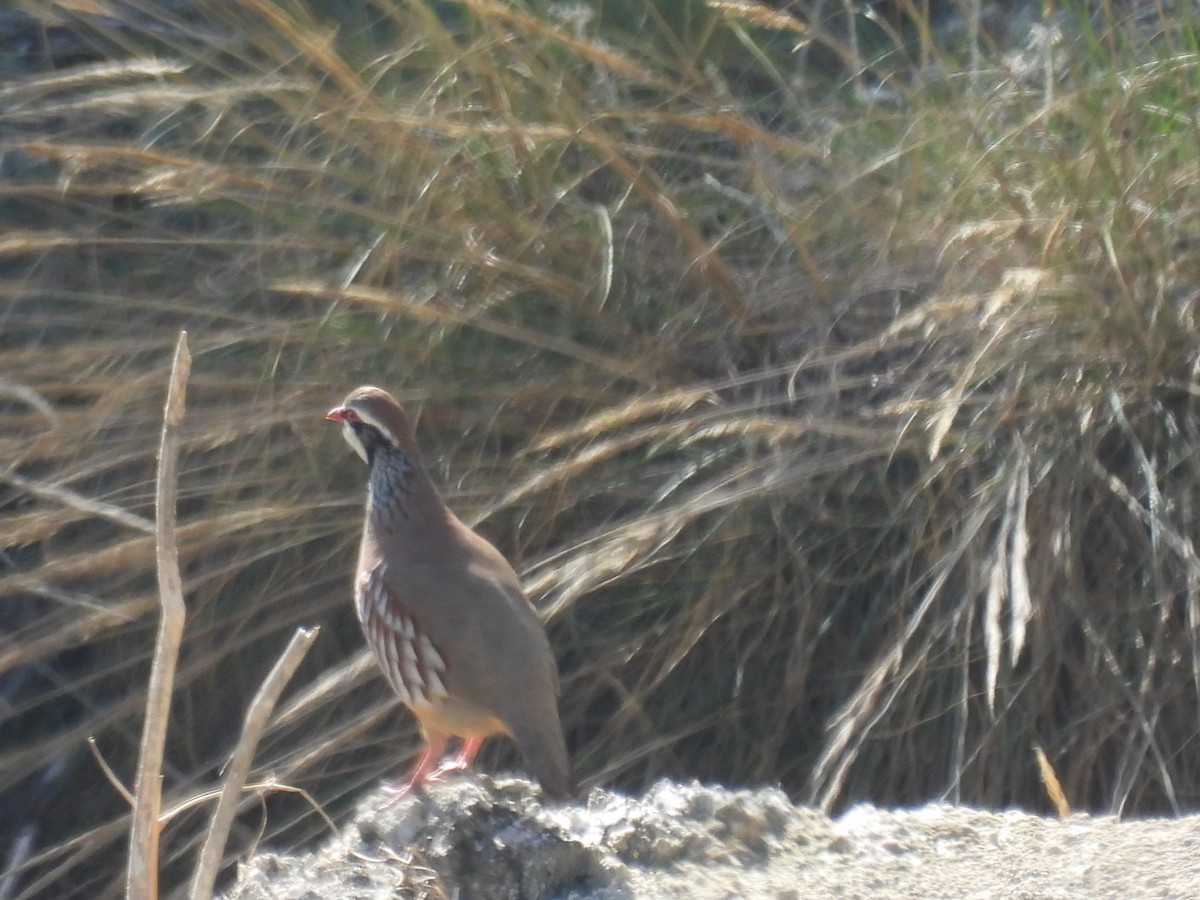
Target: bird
x,y
444,612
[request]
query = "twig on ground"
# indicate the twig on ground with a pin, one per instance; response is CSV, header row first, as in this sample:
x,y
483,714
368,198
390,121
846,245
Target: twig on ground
x,y
205,876
267,786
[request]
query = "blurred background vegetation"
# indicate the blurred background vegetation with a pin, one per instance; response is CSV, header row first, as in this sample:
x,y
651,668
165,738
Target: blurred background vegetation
x,y
828,370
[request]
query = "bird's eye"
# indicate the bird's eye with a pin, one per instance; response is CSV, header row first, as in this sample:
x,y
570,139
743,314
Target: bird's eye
x,y
351,416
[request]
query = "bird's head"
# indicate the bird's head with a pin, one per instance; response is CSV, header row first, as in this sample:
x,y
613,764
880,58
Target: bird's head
x,y
371,419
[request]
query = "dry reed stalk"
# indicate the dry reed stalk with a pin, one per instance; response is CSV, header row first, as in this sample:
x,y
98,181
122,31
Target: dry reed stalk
x,y
205,876
141,878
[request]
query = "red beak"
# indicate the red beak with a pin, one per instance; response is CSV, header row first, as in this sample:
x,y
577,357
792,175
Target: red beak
x,y
337,414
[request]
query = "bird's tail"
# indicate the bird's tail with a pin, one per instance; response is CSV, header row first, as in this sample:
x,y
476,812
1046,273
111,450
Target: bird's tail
x,y
545,754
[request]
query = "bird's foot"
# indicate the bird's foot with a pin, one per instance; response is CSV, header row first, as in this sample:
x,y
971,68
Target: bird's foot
x,y
398,790
460,762
428,769
448,767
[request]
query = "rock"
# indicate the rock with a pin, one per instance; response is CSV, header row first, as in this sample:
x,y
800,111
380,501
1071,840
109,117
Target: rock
x,y
479,837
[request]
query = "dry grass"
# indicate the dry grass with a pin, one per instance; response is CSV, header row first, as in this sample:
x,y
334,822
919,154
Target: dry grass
x,y
846,446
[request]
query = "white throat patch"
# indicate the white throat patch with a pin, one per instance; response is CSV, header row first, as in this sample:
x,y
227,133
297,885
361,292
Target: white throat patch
x,y
352,438
353,441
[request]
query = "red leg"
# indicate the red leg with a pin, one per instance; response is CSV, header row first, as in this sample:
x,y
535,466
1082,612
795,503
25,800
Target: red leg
x,y
466,753
461,761
423,769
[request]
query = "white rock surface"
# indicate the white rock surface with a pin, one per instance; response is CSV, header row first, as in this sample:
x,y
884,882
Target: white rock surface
x,y
477,837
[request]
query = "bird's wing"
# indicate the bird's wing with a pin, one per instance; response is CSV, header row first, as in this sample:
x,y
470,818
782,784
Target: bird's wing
x,y
464,595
